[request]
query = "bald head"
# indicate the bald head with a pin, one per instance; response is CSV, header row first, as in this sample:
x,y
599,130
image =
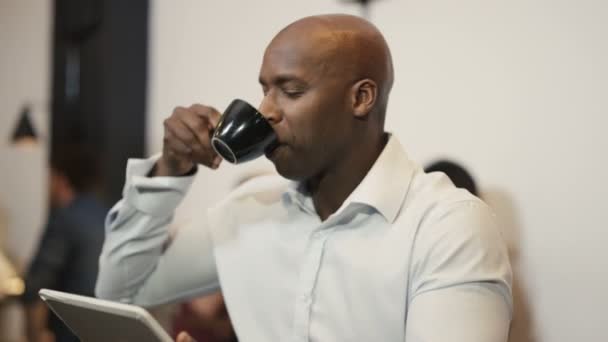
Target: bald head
x,y
326,81
342,46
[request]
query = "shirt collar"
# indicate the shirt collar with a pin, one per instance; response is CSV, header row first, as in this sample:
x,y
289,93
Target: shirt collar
x,y
296,194
384,187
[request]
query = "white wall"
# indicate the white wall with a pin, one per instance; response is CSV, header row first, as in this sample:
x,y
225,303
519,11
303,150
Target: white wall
x,y
516,90
25,41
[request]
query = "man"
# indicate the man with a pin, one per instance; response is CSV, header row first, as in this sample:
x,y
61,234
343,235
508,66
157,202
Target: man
x,y
68,252
357,243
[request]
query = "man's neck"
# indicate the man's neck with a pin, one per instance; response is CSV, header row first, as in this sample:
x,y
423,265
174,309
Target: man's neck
x,y
330,189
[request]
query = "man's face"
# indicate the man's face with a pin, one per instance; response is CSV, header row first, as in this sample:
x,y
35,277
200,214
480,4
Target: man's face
x,y
305,101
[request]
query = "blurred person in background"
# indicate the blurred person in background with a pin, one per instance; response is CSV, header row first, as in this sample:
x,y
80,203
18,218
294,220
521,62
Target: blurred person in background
x,y
456,173
353,242
68,253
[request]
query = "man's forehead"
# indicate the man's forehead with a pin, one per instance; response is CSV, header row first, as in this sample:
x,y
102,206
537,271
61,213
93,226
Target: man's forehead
x,y
308,44
298,53
301,46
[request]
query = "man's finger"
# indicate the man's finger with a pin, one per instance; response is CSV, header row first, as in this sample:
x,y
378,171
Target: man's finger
x,y
180,130
214,118
199,127
208,112
172,142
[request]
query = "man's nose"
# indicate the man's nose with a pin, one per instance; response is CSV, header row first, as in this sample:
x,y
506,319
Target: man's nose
x,y
270,110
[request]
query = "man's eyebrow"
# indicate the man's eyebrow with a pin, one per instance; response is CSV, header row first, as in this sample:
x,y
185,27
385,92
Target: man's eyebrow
x,y
281,79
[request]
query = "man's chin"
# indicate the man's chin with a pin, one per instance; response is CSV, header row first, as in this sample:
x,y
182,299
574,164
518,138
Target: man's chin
x,y
285,173
291,172
287,164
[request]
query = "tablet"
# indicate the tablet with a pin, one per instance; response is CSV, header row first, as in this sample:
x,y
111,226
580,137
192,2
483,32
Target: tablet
x,y
97,320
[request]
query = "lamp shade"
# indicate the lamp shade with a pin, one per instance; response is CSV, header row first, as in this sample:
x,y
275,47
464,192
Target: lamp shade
x,y
24,130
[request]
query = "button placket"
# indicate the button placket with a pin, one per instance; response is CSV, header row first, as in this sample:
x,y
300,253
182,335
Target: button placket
x,y
308,277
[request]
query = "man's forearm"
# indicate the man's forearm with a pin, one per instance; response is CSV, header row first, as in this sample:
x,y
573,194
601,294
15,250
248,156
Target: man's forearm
x,y
136,230
138,264
133,245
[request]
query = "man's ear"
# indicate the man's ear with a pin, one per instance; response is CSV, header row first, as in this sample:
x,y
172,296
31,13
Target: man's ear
x,y
364,94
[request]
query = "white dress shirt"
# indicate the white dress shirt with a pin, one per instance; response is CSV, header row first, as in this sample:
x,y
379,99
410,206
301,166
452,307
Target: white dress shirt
x,y
407,257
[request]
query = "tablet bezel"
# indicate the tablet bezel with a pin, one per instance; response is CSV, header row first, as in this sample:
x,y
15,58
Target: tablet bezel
x,y
115,308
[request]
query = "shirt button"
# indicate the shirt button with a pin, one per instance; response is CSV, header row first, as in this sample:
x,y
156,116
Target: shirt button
x,y
306,298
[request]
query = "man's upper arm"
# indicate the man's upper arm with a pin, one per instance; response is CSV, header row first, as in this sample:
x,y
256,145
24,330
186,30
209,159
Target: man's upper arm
x,y
460,287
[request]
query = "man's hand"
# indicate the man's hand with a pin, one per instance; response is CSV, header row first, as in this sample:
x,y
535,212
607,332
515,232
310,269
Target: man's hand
x,y
184,337
187,141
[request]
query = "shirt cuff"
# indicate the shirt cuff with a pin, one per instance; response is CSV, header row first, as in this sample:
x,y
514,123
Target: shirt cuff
x,y
155,196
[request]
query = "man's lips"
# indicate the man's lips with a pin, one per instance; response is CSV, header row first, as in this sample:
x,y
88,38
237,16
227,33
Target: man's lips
x,y
272,148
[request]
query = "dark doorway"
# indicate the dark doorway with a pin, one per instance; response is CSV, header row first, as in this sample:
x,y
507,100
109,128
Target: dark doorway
x,y
100,52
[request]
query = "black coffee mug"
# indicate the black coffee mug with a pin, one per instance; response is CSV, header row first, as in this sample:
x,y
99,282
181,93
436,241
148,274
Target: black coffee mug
x,y
242,133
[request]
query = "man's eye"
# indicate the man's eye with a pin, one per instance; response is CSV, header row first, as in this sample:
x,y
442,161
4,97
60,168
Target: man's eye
x,y
291,93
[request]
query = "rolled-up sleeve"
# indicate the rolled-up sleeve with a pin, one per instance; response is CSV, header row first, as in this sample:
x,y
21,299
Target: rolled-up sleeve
x,y
139,262
461,279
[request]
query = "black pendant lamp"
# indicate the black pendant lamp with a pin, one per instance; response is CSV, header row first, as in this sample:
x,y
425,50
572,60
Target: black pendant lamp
x,y
24,130
365,4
